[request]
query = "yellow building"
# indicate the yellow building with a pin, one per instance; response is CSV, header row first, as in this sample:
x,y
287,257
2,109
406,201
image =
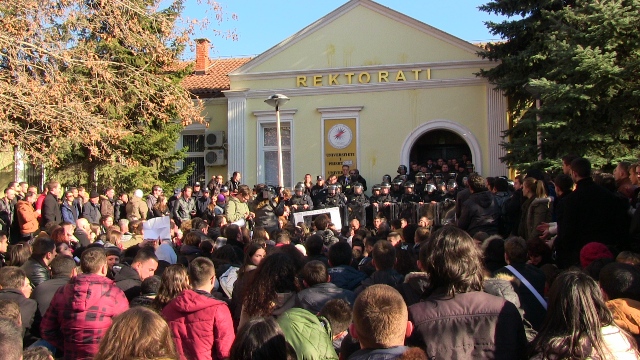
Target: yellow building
x,y
369,87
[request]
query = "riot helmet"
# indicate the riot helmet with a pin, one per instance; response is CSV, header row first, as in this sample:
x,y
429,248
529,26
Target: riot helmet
x,y
376,188
357,188
452,185
397,185
409,187
430,188
402,169
386,178
385,186
299,189
332,190
419,177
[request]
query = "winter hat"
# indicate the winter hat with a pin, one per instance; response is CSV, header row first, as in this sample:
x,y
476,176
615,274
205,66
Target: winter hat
x,y
593,251
93,194
221,199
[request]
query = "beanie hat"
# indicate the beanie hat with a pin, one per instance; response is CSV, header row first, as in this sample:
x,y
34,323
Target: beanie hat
x,y
594,251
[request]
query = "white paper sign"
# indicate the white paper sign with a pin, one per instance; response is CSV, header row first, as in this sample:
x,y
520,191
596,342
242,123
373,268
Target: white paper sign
x,y
157,228
333,212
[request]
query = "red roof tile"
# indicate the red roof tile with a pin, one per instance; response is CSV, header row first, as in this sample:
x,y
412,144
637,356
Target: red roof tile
x,y
215,79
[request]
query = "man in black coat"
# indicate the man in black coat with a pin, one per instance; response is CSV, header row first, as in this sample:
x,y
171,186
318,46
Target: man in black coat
x,y
130,278
63,268
15,286
37,266
591,213
51,207
481,211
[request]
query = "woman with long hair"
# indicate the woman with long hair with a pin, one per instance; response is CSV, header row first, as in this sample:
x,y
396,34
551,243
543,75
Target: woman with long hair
x,y
578,324
138,333
174,281
537,208
273,288
261,339
255,252
161,208
469,323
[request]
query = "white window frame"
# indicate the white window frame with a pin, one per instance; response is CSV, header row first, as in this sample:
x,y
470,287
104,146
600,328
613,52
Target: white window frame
x,y
267,119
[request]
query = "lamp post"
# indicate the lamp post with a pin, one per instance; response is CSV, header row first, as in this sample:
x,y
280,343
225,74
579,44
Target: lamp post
x,y
535,91
276,101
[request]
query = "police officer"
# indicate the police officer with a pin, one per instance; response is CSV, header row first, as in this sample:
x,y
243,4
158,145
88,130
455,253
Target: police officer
x,y
397,189
332,199
376,192
357,203
385,198
402,173
318,191
409,195
300,201
420,183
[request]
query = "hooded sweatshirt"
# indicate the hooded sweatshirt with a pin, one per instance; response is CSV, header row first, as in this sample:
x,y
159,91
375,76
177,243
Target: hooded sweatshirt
x,y
200,325
480,213
80,314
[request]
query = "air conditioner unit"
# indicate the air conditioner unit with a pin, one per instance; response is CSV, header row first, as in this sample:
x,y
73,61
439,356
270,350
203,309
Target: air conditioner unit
x,y
215,157
214,138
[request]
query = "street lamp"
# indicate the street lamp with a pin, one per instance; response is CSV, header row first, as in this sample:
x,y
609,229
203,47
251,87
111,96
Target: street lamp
x,y
276,101
535,91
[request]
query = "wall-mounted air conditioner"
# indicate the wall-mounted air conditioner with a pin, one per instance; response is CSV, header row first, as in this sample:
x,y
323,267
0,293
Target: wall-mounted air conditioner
x,y
214,139
215,157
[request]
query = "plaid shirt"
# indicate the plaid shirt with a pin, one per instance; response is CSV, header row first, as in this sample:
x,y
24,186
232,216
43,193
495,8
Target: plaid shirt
x,y
80,314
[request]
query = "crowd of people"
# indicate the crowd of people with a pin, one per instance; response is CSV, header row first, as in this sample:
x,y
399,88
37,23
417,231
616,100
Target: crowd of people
x,y
530,267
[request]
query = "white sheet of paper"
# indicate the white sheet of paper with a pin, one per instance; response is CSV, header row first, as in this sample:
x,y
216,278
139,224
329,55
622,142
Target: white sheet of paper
x,y
157,228
240,222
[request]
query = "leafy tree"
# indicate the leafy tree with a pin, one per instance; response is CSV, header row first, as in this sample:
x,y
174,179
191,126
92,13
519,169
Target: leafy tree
x,y
93,85
581,58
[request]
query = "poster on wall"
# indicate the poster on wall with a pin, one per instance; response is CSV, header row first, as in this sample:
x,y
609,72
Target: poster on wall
x,y
340,145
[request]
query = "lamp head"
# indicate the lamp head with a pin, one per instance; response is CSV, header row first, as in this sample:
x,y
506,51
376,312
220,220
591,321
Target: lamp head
x,y
276,100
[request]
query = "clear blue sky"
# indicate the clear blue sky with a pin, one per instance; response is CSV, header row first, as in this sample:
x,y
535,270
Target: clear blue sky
x,y
262,24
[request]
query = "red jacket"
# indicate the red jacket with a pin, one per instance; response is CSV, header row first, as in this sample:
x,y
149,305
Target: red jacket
x,y
201,325
80,314
27,217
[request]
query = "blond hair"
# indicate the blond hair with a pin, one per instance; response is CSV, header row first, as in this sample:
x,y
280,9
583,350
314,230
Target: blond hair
x,y
380,317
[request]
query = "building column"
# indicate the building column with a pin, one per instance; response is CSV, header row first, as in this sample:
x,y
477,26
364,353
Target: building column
x,y
236,119
496,125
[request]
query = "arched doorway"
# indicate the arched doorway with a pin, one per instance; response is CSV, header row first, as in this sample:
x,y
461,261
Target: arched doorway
x,y
437,144
442,127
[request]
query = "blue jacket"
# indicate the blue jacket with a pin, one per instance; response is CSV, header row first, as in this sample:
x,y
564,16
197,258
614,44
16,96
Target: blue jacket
x,y
346,277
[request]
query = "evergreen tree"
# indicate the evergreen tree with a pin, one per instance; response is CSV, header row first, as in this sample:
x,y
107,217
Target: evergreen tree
x,y
581,58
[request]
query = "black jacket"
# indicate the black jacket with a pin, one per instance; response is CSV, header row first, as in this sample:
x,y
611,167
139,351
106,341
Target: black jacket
x,y
533,310
50,210
28,307
591,213
44,292
128,280
314,297
91,212
388,277
480,213
36,271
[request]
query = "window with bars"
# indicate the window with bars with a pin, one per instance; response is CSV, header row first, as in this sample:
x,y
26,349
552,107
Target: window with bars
x,y
269,158
195,156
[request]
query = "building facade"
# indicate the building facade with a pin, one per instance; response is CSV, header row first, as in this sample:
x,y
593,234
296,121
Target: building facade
x,y
372,97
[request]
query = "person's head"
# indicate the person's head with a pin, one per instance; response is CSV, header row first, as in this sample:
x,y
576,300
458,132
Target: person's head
x,y
340,254
37,353
63,266
619,280
394,238
261,339
314,272
9,309
202,274
563,184
384,255
580,169
533,188
19,254
321,222
4,242
515,250
236,176
477,183
138,333
10,340
54,188
106,221
566,163
282,238
174,281
151,285
314,245
575,317
254,253
422,235
622,170
44,249
380,318
12,277
113,256
275,274
94,261
628,257
338,313
453,261
594,251
244,193
145,262
345,170
501,184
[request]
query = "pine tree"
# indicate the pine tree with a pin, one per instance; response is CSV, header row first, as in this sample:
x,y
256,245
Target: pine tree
x,y
582,58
